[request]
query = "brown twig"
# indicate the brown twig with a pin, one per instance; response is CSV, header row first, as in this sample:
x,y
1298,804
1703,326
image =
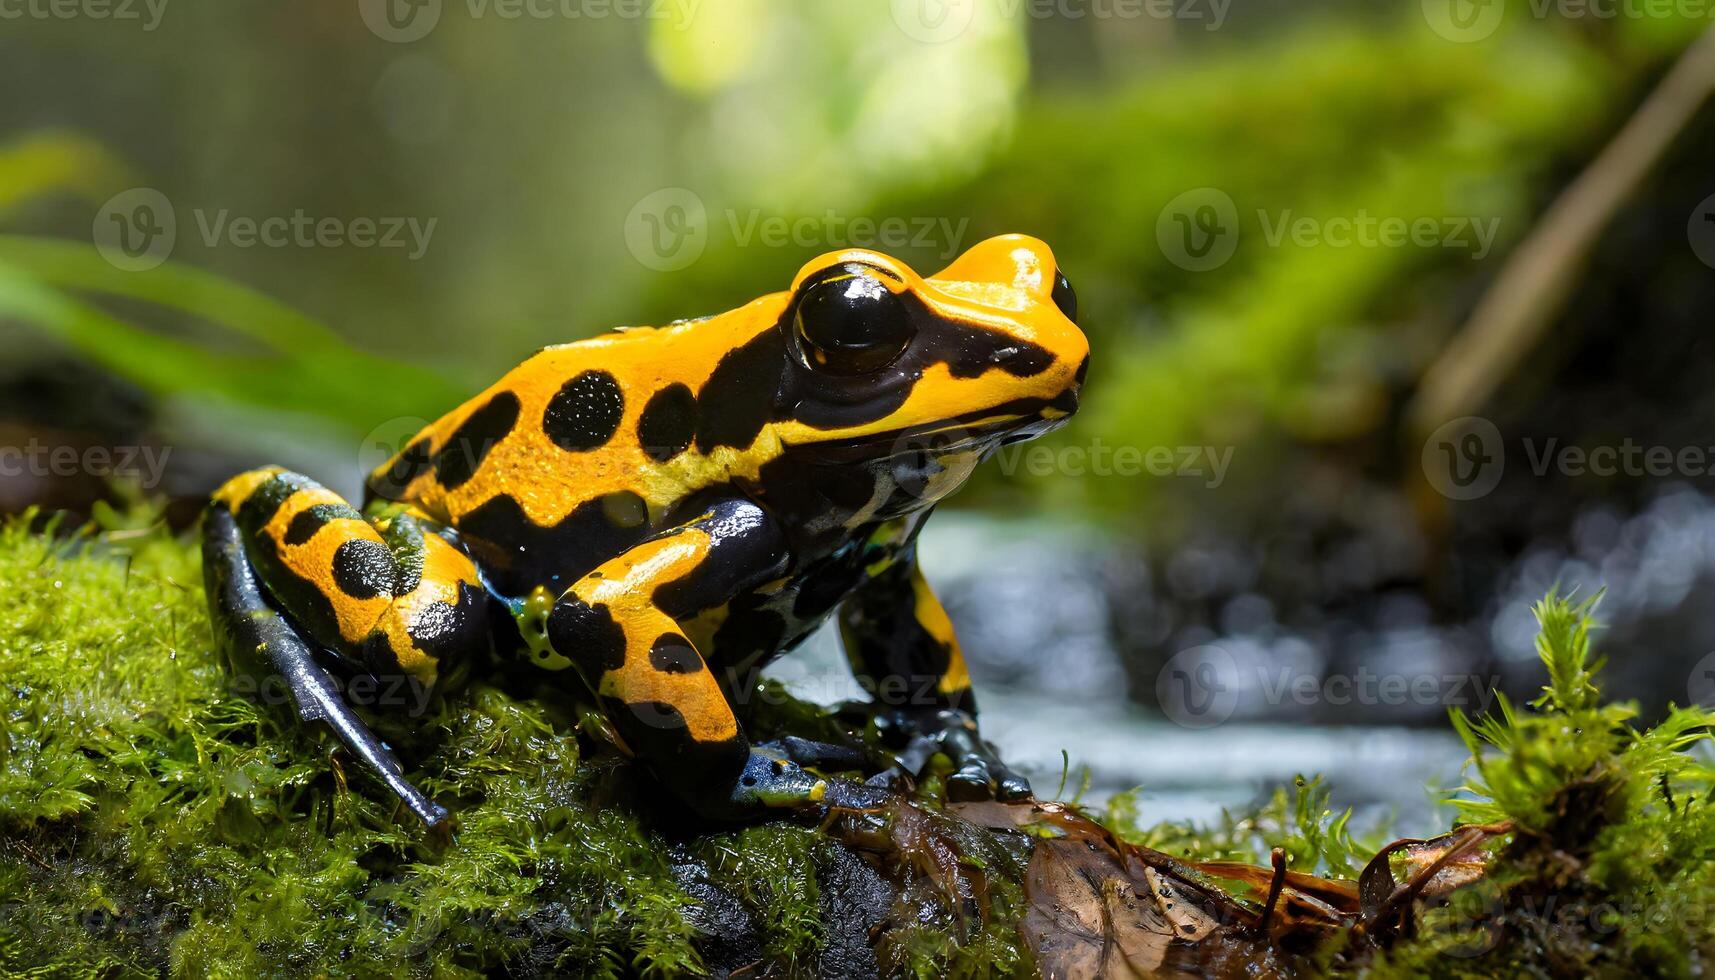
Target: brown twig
x,y
1276,857
1518,306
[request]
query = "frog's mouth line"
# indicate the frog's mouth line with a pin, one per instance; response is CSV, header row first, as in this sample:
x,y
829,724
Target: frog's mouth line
x,y
1000,425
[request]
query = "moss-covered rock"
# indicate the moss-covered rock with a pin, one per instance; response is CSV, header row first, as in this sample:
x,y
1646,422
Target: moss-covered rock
x,y
156,818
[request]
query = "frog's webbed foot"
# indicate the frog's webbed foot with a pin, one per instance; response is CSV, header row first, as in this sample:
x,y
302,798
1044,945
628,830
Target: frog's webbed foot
x,y
978,773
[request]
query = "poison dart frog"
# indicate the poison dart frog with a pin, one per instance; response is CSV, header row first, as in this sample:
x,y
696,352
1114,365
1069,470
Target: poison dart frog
x,y
652,515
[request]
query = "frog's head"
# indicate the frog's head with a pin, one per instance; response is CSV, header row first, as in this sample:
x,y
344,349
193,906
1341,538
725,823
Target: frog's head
x,y
884,363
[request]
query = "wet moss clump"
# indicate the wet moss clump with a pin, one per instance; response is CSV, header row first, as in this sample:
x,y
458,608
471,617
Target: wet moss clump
x,y
1609,869
154,819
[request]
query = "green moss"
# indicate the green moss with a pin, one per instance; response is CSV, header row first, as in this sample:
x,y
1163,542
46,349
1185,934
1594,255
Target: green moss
x,y
1610,870
154,818
1317,839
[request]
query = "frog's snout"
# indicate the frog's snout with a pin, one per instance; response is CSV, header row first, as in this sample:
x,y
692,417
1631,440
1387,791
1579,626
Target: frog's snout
x,y
1018,277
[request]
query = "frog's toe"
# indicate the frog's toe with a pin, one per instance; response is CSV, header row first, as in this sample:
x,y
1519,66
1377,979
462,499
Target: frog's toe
x,y
1011,786
819,755
896,779
986,779
843,794
978,773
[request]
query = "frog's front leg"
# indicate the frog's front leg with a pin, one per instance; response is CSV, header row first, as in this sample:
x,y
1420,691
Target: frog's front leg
x,y
291,569
904,653
619,627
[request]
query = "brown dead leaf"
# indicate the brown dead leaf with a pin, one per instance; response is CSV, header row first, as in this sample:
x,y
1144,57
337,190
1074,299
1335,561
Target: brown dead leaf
x,y
1087,919
1098,907
1433,868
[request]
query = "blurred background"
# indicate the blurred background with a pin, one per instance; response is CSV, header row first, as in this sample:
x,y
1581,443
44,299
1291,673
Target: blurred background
x,y
1400,311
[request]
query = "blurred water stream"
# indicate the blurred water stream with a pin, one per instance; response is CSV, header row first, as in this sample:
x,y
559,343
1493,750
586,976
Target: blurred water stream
x,y
1032,614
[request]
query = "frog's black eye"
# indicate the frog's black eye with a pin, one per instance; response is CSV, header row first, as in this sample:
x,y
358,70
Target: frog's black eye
x,y
849,322
1063,296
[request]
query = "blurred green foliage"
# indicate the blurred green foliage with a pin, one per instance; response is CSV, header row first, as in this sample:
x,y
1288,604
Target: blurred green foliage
x,y
781,111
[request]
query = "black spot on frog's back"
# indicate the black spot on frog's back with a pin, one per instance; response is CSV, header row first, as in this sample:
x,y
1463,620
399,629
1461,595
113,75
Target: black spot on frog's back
x,y
308,521
668,423
738,399
587,635
673,654
390,483
363,569
585,412
476,435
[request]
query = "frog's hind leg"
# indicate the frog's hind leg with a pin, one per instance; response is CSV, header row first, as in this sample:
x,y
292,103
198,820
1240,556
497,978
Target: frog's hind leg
x,y
292,569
